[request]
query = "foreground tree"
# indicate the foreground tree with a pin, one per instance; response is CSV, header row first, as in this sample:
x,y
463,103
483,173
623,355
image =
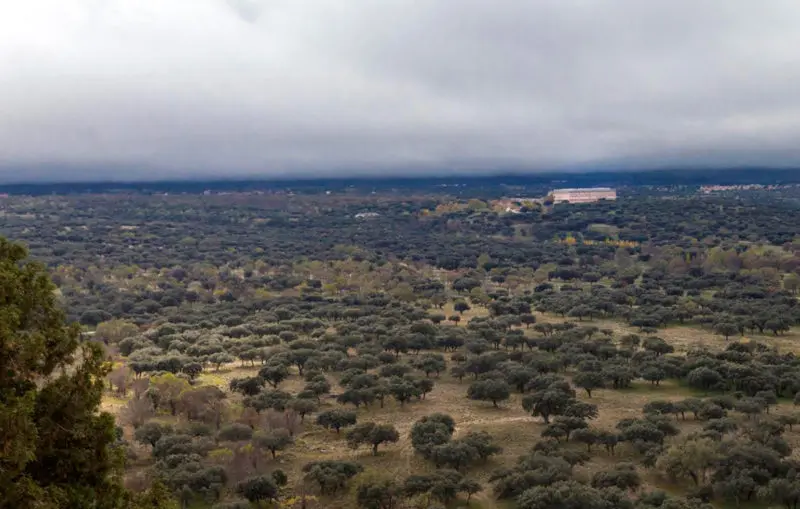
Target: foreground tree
x,y
56,448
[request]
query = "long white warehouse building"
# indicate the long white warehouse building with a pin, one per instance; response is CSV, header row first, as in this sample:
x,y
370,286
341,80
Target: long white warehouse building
x,y
584,195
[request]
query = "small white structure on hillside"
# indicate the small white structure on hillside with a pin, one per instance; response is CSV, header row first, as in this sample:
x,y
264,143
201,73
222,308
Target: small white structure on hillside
x,y
366,215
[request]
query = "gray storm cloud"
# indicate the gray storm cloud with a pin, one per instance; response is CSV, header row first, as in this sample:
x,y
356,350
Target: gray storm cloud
x,y
285,87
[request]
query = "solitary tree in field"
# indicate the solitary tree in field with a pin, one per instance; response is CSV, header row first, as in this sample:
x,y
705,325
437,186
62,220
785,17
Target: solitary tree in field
x,y
528,319
587,436
622,476
372,434
690,458
402,389
792,283
726,329
378,493
589,381
303,406
653,374
547,403
431,431
331,475
274,440
437,318
489,390
430,363
258,489
274,374
703,378
453,455
460,306
151,432
336,419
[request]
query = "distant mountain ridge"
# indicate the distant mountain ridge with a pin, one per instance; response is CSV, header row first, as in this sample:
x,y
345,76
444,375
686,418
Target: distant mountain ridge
x,y
487,183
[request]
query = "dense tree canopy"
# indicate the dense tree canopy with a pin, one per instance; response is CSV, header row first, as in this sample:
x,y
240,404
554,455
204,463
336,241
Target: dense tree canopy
x,y
229,319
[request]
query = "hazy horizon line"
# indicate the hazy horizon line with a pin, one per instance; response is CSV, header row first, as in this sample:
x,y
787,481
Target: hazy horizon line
x,y
386,175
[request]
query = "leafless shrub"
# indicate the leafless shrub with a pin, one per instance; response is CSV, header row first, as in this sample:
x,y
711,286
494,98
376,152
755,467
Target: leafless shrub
x,y
139,387
243,462
250,417
292,422
137,482
137,412
288,420
119,378
206,403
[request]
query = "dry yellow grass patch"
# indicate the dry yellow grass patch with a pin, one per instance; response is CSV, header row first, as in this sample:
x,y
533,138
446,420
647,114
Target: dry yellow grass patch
x,y
113,403
684,337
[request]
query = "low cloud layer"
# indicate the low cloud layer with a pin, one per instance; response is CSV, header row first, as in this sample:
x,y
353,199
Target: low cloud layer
x,y
127,89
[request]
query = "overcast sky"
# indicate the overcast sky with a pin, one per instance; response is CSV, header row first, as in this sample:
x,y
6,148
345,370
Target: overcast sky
x,y
125,89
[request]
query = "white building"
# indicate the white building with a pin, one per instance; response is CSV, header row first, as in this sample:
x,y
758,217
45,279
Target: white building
x,y
585,195
366,215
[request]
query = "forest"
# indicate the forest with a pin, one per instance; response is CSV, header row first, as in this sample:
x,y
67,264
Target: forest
x,y
391,350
